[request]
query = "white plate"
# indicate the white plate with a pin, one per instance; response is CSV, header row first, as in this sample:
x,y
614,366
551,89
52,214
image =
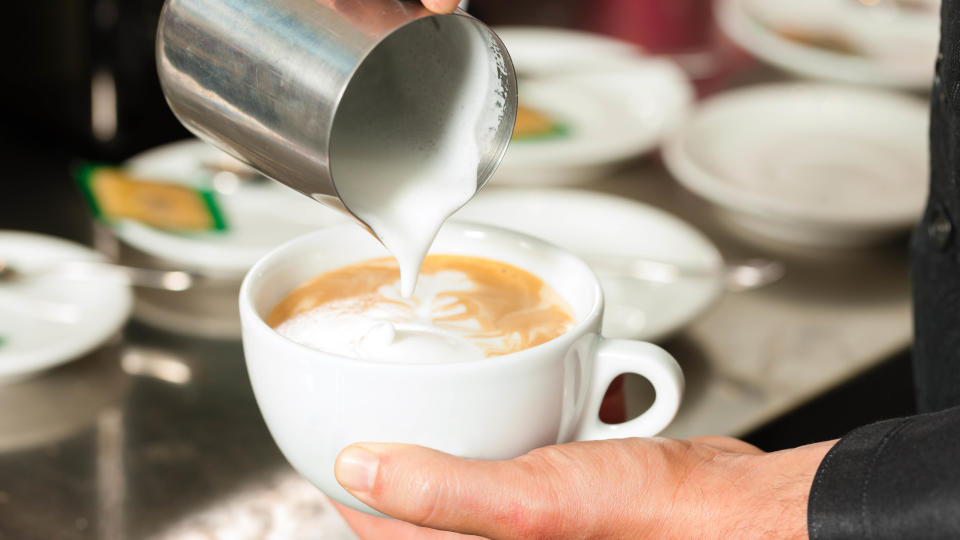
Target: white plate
x,y
616,107
45,320
594,224
259,215
811,164
896,48
537,50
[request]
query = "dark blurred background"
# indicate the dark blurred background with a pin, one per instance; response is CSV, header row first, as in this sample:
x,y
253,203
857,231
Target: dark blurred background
x,y
80,74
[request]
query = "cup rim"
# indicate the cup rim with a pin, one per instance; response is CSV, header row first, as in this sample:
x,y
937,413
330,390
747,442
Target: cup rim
x,y
251,321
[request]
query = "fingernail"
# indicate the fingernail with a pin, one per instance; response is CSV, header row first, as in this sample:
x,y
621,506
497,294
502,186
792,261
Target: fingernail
x,y
356,469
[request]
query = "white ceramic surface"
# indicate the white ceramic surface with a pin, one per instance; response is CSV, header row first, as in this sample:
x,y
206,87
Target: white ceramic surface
x,y
46,320
540,50
259,215
615,103
896,48
594,224
811,164
315,404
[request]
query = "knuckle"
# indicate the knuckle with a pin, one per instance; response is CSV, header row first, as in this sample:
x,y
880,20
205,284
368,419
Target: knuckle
x,y
425,505
541,510
547,460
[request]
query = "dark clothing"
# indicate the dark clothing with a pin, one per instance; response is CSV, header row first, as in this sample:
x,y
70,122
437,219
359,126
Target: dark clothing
x,y
901,478
935,249
895,479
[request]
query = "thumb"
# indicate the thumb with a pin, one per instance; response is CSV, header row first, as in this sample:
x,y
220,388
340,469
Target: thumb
x,y
441,6
551,492
432,489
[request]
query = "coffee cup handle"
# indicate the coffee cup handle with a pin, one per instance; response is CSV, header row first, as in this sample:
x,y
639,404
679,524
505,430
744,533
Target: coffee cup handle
x,y
614,357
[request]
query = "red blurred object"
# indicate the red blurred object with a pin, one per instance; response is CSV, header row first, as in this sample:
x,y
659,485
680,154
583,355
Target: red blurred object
x,y
659,26
613,408
684,30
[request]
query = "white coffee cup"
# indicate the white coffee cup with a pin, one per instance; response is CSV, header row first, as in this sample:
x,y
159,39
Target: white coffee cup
x,y
315,403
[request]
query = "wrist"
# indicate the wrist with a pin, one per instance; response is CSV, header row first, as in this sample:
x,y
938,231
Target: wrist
x,y
743,495
780,490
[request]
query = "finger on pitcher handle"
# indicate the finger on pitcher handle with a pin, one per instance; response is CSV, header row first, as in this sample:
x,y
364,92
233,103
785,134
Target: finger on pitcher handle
x,y
441,6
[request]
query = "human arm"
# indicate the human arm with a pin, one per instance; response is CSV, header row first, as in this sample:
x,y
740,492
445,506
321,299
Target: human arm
x,y
628,488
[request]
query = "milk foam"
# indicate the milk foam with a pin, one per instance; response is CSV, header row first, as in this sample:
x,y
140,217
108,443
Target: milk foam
x,y
465,308
410,130
395,328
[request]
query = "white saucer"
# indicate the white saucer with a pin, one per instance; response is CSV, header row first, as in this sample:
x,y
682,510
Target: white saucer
x,y
45,320
809,164
895,47
594,224
539,50
615,104
259,215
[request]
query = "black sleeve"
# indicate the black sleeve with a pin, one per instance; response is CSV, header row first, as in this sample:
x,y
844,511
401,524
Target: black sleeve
x,y
894,479
901,478
935,244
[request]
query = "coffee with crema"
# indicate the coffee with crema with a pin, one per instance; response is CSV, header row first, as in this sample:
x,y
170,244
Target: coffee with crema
x,y
464,308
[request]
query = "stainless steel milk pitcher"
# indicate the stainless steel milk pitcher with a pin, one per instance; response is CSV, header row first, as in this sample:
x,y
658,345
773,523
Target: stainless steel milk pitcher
x,y
263,79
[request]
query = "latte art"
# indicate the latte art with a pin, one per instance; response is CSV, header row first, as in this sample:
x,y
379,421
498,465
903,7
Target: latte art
x,y
464,308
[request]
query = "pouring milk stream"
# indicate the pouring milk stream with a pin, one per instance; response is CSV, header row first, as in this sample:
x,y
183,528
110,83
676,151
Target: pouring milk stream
x,y
404,192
